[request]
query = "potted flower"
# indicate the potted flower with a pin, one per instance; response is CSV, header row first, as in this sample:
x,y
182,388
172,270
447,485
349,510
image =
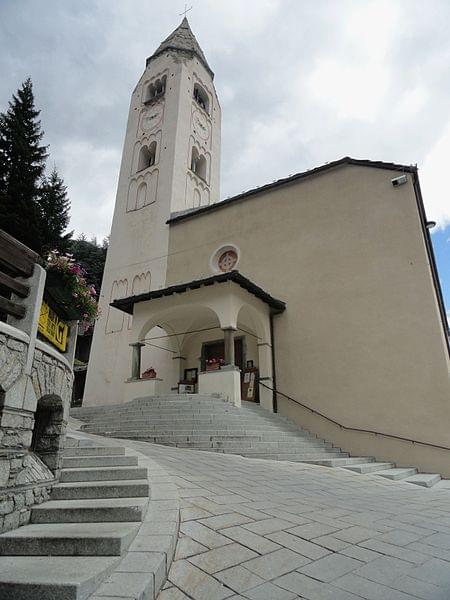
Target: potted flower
x,y
67,290
150,373
214,364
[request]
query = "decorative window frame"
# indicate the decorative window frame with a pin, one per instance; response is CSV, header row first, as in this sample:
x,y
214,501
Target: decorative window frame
x,y
214,260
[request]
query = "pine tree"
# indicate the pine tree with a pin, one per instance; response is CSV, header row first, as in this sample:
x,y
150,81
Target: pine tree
x,y
22,163
91,256
54,208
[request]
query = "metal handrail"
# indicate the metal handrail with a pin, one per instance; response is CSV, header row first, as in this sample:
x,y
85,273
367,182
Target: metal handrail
x,y
348,428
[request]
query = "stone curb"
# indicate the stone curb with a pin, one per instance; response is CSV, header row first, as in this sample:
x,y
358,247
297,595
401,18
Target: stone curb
x,y
143,570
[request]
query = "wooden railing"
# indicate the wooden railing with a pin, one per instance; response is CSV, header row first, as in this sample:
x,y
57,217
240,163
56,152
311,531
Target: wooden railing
x,y
16,265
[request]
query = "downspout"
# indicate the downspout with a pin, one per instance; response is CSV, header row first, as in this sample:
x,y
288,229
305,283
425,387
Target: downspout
x,y
430,254
274,375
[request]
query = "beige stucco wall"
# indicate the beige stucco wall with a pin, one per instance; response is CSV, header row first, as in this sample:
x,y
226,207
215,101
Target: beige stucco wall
x,y
361,339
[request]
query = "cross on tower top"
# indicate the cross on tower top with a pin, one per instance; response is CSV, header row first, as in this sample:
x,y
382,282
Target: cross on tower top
x,y
186,10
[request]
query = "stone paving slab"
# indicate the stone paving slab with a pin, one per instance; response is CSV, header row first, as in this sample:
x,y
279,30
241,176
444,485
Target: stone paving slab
x,y
222,558
263,530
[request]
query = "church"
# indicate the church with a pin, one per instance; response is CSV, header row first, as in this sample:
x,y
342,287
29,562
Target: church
x,y
316,295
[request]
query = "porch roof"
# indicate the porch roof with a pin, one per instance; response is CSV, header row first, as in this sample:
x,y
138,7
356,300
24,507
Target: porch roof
x,y
127,304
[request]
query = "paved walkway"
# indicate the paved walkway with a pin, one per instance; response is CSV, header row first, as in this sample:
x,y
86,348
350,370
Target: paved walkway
x,y
265,530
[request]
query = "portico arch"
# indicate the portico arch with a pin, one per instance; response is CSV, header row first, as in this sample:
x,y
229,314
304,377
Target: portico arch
x,y
221,305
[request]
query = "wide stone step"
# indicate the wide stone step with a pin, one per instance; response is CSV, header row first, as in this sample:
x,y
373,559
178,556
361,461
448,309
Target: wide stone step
x,y
71,443
99,461
52,577
102,474
170,427
99,510
69,539
369,467
161,437
270,444
285,456
324,452
342,462
397,474
424,479
95,451
100,489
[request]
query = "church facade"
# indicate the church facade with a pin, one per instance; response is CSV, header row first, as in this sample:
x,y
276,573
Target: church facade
x,y
316,295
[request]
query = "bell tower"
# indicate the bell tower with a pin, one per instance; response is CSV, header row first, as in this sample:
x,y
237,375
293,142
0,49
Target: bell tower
x,y
170,163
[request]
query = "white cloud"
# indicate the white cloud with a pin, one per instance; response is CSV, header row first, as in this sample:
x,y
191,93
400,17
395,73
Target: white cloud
x,y
300,83
350,91
91,172
434,182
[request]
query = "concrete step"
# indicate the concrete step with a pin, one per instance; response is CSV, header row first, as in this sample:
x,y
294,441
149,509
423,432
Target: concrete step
x,y
369,467
215,429
98,510
99,461
100,489
102,474
71,443
424,479
342,462
396,474
95,451
317,452
52,577
69,539
284,456
190,435
444,484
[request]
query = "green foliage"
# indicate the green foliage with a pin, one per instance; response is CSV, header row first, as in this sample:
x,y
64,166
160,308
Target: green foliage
x,y
22,164
34,208
91,256
80,294
54,213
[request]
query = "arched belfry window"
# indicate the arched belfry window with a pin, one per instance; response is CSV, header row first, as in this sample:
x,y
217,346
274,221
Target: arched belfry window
x,y
198,164
201,97
147,156
156,89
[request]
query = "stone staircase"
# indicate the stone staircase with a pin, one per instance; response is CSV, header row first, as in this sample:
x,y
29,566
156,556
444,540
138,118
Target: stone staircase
x,y
211,424
77,538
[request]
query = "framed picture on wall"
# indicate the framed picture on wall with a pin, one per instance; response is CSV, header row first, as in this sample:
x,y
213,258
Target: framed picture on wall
x,y
191,375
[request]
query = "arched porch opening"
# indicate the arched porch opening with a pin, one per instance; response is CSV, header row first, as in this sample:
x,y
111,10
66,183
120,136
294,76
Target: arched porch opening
x,y
217,324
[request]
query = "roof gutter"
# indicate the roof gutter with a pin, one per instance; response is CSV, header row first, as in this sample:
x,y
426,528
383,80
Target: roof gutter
x,y
431,257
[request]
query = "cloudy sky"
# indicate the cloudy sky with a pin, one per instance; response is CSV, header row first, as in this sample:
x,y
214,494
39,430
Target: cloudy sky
x,y
301,82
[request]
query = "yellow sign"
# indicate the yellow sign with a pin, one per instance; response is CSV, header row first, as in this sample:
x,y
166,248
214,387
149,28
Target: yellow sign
x,y
53,328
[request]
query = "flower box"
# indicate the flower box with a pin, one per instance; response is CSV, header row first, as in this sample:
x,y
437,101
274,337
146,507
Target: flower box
x,y
60,297
68,292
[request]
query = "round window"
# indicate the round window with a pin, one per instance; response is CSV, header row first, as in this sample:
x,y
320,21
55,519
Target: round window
x,y
227,260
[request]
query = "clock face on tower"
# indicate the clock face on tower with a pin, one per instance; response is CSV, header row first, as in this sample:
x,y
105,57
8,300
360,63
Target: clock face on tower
x,y
201,125
151,117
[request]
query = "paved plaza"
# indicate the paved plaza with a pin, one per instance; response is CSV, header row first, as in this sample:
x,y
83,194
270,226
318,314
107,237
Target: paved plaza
x,y
266,530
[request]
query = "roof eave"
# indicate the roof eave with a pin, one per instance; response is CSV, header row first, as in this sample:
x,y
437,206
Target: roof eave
x,y
346,160
127,304
191,53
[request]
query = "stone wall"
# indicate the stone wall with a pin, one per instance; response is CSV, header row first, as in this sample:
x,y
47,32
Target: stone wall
x,y
35,391
24,481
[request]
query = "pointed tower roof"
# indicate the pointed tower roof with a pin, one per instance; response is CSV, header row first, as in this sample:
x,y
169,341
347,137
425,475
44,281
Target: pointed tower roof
x,y
182,40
